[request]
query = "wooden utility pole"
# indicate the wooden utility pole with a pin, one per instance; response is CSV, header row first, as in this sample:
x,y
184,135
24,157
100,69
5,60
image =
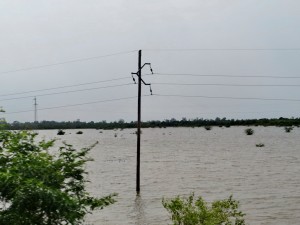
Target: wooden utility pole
x,y
138,155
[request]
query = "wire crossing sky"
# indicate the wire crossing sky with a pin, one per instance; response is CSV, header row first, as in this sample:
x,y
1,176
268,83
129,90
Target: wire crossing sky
x,y
210,59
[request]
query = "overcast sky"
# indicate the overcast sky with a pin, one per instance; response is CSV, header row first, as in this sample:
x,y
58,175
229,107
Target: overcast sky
x,y
46,32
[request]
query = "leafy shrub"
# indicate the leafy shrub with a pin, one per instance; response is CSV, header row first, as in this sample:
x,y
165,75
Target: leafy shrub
x,y
260,145
60,132
39,188
249,131
191,211
288,129
207,127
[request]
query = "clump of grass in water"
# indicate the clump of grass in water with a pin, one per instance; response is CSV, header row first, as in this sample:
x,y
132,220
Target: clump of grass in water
x,y
249,131
288,129
207,127
60,132
260,145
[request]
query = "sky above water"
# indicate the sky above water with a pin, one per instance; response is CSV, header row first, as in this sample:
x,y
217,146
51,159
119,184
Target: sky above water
x,y
210,58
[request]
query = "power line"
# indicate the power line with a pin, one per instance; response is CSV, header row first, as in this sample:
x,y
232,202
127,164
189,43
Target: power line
x,y
220,113
64,92
229,85
226,75
72,105
222,49
230,112
221,97
159,74
67,86
67,62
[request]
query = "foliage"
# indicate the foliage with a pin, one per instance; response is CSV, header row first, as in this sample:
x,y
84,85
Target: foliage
x,y
41,188
260,145
288,129
191,211
197,122
2,120
249,131
60,132
207,127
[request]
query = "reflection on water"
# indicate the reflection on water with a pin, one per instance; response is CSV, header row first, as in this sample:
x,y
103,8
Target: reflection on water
x,y
213,164
139,210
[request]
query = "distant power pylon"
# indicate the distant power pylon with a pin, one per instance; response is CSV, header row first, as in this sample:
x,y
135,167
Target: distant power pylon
x,y
35,110
140,80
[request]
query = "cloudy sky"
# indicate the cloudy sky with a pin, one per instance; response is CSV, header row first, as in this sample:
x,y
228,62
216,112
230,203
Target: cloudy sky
x,y
211,58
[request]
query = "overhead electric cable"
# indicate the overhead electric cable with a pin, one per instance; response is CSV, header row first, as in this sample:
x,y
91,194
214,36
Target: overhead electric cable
x,y
66,86
159,74
223,49
67,62
239,112
229,85
226,75
222,97
64,92
71,105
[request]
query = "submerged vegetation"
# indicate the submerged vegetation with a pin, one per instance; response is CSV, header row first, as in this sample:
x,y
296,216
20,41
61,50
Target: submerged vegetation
x,y
288,129
249,131
60,132
191,211
259,145
207,127
198,122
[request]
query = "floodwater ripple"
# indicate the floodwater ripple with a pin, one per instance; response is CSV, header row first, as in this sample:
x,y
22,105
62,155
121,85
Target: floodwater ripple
x,y
178,161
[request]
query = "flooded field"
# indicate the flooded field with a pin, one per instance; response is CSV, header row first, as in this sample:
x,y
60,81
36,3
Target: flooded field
x,y
178,161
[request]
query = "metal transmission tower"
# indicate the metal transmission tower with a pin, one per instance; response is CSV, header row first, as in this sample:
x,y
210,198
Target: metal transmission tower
x,y
140,80
35,110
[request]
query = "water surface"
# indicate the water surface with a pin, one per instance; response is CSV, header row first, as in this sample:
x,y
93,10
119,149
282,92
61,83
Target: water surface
x,y
178,161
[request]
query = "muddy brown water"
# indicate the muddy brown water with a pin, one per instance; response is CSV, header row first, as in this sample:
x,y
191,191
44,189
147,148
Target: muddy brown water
x,y
179,161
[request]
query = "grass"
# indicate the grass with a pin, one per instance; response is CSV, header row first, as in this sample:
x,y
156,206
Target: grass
x,y
60,132
207,127
259,145
249,131
288,129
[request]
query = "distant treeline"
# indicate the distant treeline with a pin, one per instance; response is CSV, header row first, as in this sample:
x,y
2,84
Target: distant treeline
x,y
198,122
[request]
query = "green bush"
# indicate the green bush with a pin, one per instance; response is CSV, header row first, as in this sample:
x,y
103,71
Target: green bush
x,y
191,211
207,127
288,129
249,131
37,188
60,132
260,145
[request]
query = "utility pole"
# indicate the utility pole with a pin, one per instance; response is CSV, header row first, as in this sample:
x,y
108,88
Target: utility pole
x,y
35,110
140,80
138,147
